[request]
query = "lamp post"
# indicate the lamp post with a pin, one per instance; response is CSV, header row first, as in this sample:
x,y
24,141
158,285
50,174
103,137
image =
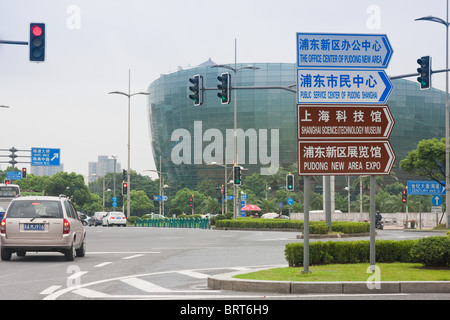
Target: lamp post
x,y
225,186
235,70
447,133
128,95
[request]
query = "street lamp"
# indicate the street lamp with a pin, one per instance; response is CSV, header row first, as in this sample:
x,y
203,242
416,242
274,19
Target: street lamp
x,y
128,95
225,195
447,118
235,70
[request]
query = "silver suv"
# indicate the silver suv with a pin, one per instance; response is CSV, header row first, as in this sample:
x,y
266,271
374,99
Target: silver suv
x,y
42,224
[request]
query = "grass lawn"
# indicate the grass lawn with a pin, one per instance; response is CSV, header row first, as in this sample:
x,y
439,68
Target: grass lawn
x,y
353,272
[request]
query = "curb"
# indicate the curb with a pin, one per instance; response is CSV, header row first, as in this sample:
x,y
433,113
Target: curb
x,y
227,282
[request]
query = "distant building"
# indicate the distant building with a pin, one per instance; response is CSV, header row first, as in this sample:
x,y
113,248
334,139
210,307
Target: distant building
x,y
102,167
189,138
46,170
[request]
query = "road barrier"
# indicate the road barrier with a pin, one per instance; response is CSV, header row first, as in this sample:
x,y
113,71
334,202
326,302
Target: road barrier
x,y
194,223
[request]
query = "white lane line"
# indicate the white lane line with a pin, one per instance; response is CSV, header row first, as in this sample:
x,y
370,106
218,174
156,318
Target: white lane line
x,y
50,290
144,285
132,257
77,275
193,274
102,264
88,293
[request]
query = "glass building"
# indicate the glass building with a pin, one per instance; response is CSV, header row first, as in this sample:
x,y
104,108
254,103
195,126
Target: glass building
x,y
189,139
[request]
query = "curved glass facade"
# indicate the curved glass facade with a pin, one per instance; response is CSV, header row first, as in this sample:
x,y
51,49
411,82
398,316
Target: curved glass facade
x,y
190,138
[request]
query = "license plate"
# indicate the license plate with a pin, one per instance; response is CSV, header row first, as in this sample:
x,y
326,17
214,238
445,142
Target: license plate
x,y
33,226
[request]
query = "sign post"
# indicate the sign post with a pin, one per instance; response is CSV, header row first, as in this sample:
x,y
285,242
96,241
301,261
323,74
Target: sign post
x,y
343,121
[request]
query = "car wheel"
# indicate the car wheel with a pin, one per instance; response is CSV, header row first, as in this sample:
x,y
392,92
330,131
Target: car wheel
x,y
6,254
69,255
82,251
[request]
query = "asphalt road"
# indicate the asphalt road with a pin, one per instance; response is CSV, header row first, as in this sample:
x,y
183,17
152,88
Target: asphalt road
x,y
159,263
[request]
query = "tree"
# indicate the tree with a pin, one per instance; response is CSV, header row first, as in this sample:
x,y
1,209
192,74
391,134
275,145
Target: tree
x,y
428,160
70,184
140,203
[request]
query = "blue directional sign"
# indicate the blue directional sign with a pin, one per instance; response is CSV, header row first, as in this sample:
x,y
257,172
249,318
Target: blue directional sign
x,y
160,198
333,86
13,175
436,200
426,188
318,50
45,157
290,201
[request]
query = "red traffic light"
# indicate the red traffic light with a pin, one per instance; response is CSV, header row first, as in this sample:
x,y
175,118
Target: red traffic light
x,y
36,30
404,196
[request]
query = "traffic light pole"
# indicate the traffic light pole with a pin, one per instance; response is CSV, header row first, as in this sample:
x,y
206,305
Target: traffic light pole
x,y
23,43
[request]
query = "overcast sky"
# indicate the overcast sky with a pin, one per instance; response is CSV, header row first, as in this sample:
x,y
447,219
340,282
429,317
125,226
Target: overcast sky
x,y
91,45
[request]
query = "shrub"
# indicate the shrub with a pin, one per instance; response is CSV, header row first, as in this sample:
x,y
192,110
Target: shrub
x,y
349,252
432,251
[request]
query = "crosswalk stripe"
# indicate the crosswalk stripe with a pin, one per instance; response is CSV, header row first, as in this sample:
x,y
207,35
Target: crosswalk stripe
x,y
194,274
144,285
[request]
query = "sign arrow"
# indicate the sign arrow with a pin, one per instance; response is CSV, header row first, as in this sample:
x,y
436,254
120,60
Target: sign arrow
x,y
336,50
344,121
333,86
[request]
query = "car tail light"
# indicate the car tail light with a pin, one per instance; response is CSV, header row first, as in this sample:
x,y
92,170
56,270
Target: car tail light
x,y
111,218
66,226
3,226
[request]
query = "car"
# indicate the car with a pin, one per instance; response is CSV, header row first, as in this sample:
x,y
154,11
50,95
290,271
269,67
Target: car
x,y
84,218
2,213
42,223
97,218
114,218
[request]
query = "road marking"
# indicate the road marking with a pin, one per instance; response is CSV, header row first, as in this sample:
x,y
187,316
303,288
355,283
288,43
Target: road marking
x,y
132,257
50,290
102,264
144,285
193,274
88,293
77,275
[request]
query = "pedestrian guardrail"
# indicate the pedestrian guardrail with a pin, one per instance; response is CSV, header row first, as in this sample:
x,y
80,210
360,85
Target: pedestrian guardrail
x,y
194,223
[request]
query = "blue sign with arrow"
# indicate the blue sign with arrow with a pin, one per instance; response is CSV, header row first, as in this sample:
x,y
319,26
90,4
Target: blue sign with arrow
x,y
318,50
45,157
436,200
331,86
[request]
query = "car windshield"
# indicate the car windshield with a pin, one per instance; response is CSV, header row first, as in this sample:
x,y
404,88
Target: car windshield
x,y
35,209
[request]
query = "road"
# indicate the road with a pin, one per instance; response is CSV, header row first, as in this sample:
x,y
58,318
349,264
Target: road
x,y
158,263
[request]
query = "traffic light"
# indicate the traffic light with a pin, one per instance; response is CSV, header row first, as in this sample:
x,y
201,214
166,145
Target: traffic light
x,y
290,182
37,42
124,188
405,196
424,72
237,175
7,181
197,89
24,173
13,156
191,202
224,87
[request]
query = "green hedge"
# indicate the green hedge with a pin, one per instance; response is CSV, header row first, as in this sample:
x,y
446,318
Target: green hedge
x,y
315,227
431,251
